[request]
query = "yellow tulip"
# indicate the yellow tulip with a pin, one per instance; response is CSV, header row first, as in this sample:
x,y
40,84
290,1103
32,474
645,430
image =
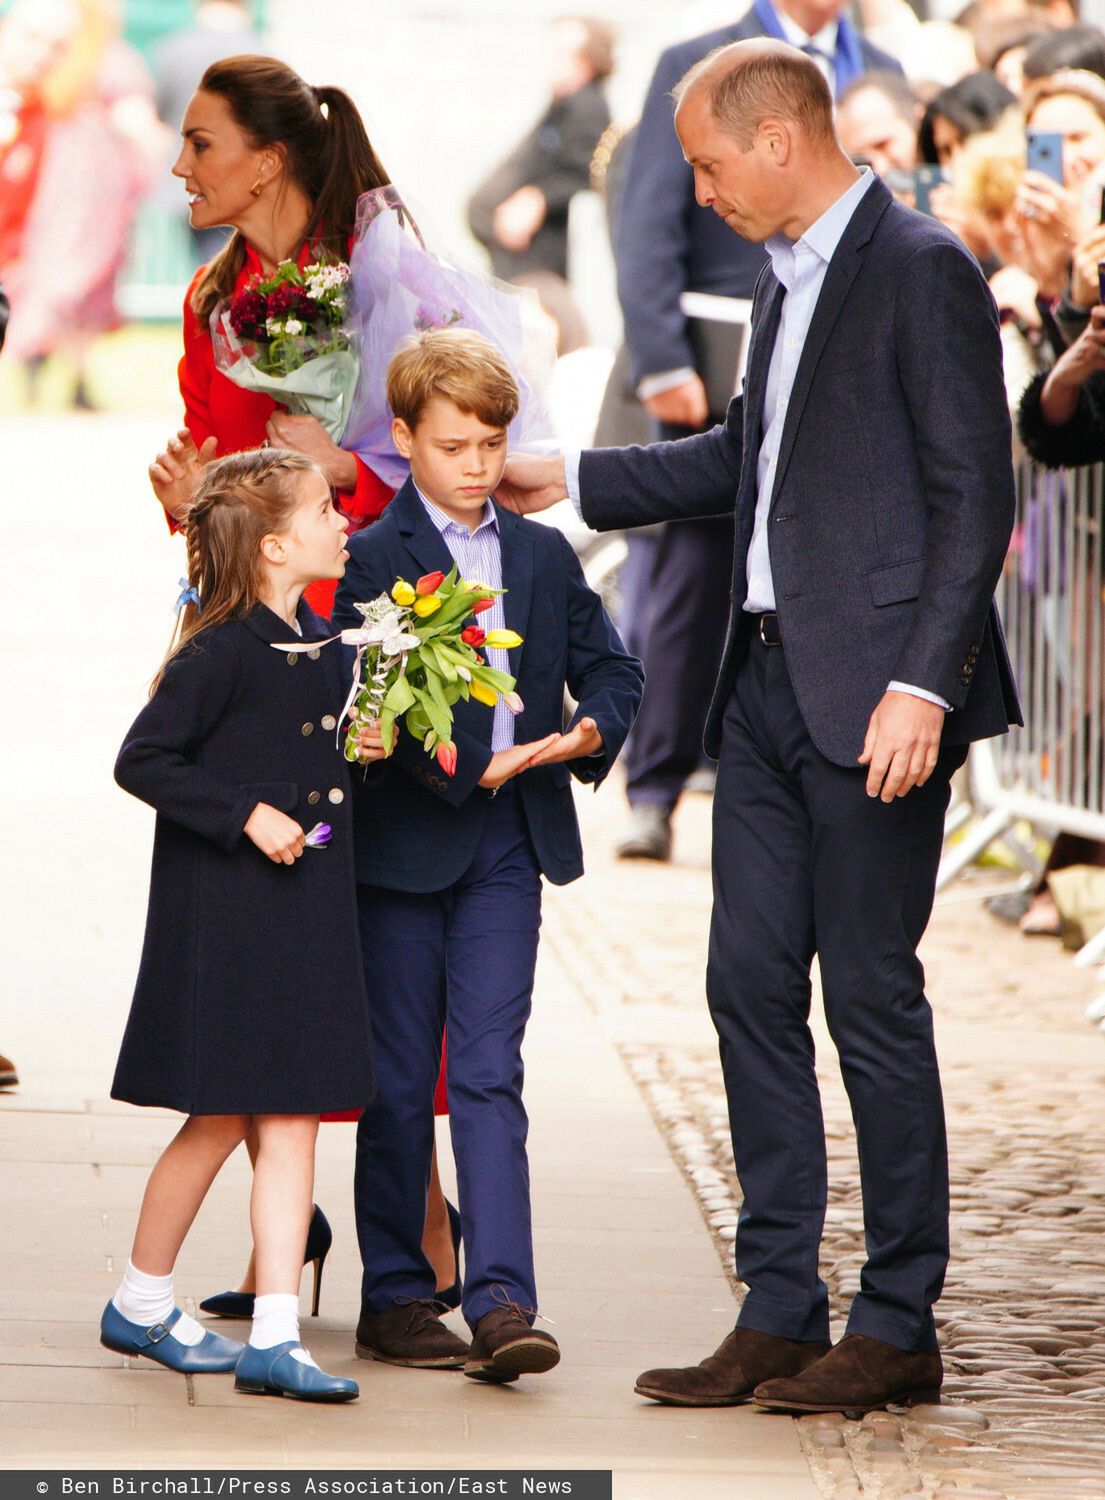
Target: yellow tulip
x,y
483,694
428,605
503,640
402,593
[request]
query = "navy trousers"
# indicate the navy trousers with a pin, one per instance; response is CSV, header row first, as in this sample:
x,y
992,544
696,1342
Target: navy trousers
x,y
805,862
679,634
462,957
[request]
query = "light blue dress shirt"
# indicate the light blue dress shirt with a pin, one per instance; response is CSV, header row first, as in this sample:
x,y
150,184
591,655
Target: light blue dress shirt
x,y
478,555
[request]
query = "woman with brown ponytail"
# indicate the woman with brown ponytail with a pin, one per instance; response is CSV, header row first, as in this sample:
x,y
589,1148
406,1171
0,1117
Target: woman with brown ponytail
x,y
283,165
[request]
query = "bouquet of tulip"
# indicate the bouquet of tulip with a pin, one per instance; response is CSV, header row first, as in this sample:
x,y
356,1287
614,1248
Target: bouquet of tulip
x,y
416,658
287,336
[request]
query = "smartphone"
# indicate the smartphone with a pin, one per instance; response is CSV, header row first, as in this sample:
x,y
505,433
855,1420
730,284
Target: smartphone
x,y
924,180
1045,154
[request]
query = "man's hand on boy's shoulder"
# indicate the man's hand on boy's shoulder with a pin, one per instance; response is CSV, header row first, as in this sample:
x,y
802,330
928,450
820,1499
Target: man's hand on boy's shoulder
x,y
532,482
582,740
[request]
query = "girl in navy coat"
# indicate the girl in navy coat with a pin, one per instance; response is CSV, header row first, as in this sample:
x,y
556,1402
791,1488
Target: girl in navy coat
x,y
250,1006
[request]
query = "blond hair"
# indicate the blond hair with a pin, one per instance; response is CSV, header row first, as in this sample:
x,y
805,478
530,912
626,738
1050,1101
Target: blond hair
x,y
989,166
774,81
241,499
460,365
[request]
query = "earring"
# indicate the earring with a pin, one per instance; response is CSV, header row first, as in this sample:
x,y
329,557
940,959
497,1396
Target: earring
x,y
256,188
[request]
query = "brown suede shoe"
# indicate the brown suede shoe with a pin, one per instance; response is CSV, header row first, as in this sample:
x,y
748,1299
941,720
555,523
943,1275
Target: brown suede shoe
x,y
410,1333
730,1375
860,1375
504,1346
8,1076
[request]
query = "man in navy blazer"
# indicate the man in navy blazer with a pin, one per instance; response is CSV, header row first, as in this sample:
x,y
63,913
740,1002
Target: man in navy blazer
x,y
869,462
667,245
449,867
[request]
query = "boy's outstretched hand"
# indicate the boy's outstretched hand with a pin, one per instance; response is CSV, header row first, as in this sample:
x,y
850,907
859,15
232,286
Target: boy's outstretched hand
x,y
581,740
507,763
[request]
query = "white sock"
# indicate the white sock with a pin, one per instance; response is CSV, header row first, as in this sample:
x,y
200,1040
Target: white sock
x,y
275,1320
148,1300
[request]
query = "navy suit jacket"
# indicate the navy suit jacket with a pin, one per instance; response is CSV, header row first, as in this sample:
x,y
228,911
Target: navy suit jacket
x,y
417,829
893,500
666,244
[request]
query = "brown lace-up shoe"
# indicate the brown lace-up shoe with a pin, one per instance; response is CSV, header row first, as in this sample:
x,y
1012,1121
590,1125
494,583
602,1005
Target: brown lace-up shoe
x,y
730,1375
410,1332
860,1375
504,1346
8,1076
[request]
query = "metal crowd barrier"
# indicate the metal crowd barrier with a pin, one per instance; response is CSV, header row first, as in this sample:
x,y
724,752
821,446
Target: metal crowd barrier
x,y
1051,773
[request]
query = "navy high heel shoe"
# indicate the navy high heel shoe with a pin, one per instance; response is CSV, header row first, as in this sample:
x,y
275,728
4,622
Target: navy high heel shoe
x,y
450,1297
273,1372
212,1355
320,1237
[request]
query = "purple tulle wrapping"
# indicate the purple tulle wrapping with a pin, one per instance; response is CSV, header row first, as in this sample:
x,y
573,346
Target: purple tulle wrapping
x,y
400,288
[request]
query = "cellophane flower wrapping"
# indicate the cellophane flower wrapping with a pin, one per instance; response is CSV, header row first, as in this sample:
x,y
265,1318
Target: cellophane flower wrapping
x,y
417,657
399,287
289,336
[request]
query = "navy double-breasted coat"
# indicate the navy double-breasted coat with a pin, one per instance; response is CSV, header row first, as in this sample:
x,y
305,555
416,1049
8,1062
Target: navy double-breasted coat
x,y
250,994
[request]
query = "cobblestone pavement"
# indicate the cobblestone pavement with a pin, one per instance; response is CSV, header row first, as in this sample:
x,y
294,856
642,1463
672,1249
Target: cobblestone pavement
x,y
1022,1321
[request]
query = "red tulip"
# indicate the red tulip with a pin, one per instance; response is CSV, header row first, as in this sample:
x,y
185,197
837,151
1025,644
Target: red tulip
x,y
447,757
482,604
473,636
429,582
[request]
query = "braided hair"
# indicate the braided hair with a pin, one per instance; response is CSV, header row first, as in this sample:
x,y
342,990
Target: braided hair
x,y
242,498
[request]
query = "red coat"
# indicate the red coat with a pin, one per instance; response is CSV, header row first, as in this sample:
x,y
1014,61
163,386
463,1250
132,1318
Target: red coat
x,y
215,407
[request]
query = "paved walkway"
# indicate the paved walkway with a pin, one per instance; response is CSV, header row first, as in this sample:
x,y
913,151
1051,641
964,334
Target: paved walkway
x,y
628,1272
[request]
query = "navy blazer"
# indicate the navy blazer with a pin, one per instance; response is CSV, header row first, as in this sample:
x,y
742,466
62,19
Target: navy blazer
x,y
893,499
666,244
418,829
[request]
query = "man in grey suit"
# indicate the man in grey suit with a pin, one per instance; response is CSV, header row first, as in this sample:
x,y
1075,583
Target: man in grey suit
x,y
869,462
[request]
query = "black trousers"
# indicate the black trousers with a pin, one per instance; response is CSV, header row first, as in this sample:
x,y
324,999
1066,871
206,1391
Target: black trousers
x,y
685,607
805,862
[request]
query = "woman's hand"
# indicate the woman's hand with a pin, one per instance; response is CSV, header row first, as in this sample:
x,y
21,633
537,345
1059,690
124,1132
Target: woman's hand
x,y
307,435
278,837
1015,290
177,471
1084,281
370,744
1052,222
1085,357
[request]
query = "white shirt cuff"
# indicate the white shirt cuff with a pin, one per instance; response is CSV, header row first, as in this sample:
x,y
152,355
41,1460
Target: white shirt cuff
x,y
916,692
663,380
571,479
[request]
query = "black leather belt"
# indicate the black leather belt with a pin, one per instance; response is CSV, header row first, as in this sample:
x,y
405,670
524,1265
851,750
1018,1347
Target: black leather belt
x,y
767,628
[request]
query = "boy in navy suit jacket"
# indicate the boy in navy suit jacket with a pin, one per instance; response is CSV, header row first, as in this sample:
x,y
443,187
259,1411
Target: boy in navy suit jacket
x,y
449,867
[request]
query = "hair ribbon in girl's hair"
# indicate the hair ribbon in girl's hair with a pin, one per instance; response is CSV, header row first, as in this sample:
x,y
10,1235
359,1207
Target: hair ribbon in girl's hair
x,y
189,595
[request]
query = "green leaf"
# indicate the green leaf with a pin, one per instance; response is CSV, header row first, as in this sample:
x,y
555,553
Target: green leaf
x,y
387,729
400,696
501,681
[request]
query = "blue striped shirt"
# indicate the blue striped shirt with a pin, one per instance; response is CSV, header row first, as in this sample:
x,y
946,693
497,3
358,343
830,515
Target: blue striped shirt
x,y
478,555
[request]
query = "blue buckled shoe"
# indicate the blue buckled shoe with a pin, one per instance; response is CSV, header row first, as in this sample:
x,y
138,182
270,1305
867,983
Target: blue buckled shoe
x,y
212,1355
273,1372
